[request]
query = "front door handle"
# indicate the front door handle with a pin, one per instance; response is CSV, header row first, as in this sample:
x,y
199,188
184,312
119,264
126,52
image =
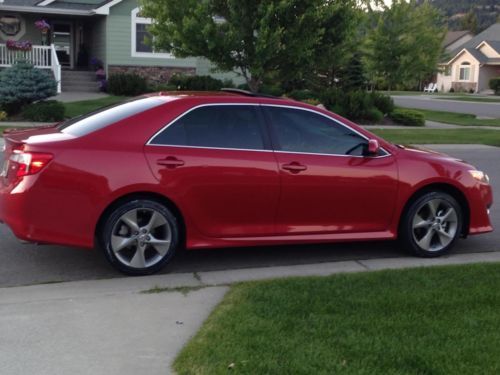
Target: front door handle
x,y
171,162
294,167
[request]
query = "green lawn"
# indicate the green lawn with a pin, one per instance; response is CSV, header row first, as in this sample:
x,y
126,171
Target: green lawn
x,y
457,118
452,136
79,108
412,93
442,320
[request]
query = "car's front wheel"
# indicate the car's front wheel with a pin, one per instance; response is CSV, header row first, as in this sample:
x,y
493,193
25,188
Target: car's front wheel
x,y
139,237
431,224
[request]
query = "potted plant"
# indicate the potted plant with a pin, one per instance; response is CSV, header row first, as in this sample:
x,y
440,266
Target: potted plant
x,y
44,28
20,45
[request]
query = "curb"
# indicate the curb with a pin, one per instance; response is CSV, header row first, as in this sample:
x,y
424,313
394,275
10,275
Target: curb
x,y
74,290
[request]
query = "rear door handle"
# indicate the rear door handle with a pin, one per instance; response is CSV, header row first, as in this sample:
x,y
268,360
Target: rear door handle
x,y
294,167
171,162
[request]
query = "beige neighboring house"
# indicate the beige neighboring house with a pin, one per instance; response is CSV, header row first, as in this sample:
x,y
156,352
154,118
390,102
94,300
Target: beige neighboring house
x,y
472,63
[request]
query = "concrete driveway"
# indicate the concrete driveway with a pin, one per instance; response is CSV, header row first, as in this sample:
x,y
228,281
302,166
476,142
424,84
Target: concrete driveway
x,y
30,264
449,105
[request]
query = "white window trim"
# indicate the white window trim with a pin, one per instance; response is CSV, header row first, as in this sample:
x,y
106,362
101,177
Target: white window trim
x,y
148,21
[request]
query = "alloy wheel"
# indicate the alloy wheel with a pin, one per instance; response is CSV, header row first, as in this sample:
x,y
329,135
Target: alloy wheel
x,y
141,238
435,225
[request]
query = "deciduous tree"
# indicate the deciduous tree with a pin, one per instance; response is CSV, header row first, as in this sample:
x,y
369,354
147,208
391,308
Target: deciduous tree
x,y
280,40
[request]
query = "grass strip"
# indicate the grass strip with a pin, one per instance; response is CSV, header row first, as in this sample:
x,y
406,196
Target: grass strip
x,y
450,136
439,320
464,119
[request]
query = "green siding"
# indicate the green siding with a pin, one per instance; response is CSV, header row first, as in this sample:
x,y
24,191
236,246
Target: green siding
x,y
32,33
119,46
119,40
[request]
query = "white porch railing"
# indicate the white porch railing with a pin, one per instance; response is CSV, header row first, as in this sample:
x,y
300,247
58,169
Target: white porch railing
x,y
42,57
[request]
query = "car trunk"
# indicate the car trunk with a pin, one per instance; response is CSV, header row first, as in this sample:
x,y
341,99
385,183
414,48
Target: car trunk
x,y
22,145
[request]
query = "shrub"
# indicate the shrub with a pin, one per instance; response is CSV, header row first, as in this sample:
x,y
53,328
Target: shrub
x,y
302,95
495,85
24,84
228,83
196,83
127,84
408,117
382,102
357,104
273,90
332,99
162,87
50,110
3,115
314,102
374,115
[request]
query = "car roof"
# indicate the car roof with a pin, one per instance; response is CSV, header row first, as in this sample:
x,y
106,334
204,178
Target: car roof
x,y
237,96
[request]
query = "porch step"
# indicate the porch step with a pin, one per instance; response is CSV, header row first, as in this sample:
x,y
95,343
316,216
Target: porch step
x,y
79,80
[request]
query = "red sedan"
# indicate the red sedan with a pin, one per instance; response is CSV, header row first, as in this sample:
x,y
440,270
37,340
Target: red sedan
x,y
206,170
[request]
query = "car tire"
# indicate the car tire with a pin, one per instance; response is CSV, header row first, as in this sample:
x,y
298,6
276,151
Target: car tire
x,y
139,237
431,224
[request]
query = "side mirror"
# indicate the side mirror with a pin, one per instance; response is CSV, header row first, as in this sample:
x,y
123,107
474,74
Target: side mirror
x,y
373,147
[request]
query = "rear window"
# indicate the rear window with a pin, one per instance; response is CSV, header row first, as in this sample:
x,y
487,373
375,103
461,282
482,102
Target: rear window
x,y
86,124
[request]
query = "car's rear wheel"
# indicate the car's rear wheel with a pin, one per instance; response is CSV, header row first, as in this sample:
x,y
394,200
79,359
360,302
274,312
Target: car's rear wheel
x,y
139,237
431,224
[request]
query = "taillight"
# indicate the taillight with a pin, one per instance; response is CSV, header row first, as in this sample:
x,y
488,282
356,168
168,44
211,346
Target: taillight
x,y
28,163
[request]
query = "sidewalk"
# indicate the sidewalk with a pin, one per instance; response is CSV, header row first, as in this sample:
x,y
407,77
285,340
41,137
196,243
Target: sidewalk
x,y
109,327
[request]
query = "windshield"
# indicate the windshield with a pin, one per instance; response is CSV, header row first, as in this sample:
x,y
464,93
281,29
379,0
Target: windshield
x,y
86,124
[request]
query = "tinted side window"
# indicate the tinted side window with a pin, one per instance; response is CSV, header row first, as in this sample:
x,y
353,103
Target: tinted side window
x,y
304,131
215,126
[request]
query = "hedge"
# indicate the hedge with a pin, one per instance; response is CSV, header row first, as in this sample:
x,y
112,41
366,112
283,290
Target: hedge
x,y
495,85
50,110
408,117
127,84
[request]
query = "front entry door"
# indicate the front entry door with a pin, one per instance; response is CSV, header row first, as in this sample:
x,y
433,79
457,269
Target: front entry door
x,y
62,38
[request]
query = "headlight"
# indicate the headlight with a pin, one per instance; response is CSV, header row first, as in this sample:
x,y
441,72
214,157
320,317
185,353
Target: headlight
x,y
480,176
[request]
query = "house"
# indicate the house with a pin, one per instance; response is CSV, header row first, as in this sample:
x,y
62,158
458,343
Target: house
x,y
471,65
80,35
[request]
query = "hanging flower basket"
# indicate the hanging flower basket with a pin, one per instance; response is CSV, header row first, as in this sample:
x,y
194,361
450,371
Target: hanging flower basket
x,y
21,45
42,25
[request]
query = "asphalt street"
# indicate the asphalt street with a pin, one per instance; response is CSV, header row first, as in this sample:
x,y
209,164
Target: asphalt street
x,y
429,102
31,264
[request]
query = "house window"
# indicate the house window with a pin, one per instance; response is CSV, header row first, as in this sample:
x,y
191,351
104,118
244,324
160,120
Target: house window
x,y
447,70
464,72
142,38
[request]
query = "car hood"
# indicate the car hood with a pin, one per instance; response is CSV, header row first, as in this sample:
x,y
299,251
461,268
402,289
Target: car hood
x,y
426,153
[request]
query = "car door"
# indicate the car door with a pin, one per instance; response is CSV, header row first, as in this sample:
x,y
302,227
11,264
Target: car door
x,y
215,162
327,185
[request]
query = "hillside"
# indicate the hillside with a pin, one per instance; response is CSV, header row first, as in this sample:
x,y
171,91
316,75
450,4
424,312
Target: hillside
x,y
486,12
